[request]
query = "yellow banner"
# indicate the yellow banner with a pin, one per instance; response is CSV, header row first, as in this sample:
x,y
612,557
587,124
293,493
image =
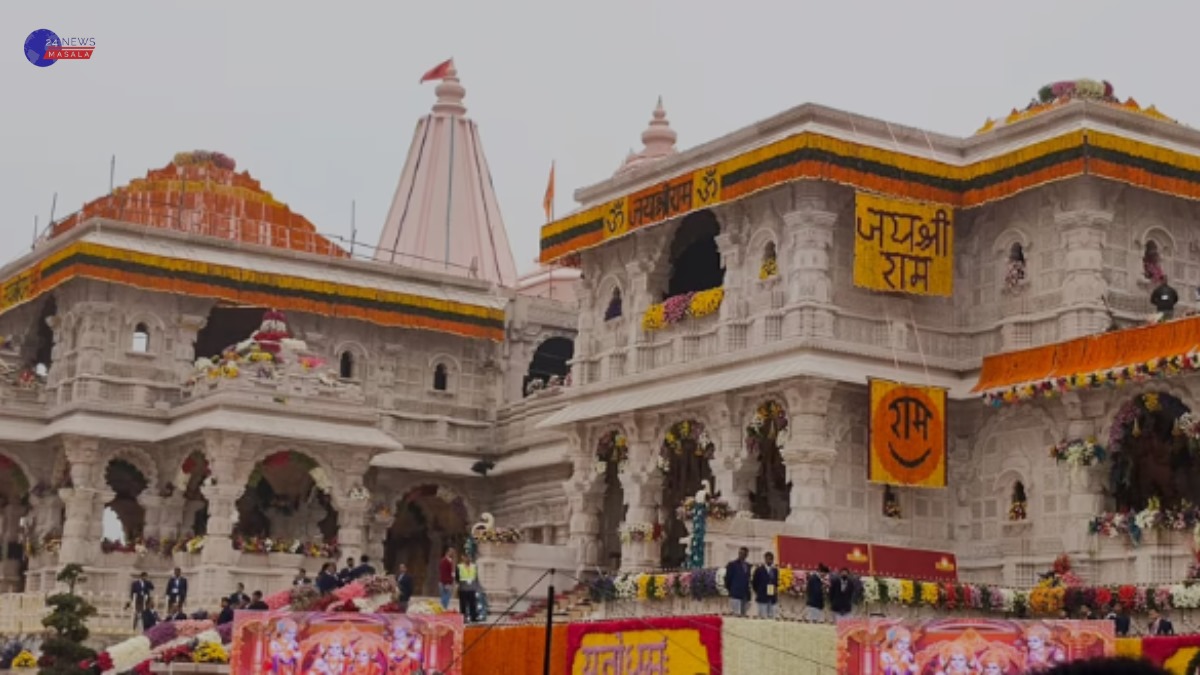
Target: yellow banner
x,y
670,652
907,435
616,218
903,247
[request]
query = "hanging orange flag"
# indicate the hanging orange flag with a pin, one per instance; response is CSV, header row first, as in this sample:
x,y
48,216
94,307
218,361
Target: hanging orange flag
x,y
438,72
548,200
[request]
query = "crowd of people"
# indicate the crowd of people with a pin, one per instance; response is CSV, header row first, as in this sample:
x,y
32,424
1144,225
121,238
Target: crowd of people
x,y
743,579
455,575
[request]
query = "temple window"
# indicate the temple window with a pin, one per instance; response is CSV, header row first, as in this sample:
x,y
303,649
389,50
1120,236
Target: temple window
x,y
614,306
695,257
346,366
287,498
44,345
441,378
1014,274
891,503
550,364
765,435
769,268
1017,507
127,482
141,339
226,327
1152,263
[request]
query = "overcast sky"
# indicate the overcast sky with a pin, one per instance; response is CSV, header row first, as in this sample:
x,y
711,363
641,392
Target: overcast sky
x,y
319,100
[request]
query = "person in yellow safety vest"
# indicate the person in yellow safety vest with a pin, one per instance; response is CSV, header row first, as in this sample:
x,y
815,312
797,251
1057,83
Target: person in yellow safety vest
x,y
467,576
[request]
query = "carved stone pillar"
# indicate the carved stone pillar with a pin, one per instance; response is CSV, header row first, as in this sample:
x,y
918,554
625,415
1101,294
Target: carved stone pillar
x,y
643,498
352,521
584,526
47,513
83,502
184,357
11,527
734,469
1085,412
808,456
1083,233
809,284
645,282
172,523
152,505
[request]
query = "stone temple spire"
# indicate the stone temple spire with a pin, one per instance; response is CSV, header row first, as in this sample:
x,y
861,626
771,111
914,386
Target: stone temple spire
x,y
444,215
658,139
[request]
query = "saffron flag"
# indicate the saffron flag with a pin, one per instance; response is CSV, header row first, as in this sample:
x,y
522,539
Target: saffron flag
x,y
907,435
548,200
438,72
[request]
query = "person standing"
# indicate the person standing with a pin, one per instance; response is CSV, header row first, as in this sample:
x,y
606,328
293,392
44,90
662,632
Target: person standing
x,y
226,614
468,590
139,596
149,616
347,573
327,581
814,594
177,590
301,578
841,594
405,583
766,587
737,582
364,569
1160,625
238,598
257,604
446,577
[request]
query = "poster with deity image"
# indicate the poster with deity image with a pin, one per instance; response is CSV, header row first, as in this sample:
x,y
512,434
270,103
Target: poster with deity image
x,y
967,646
343,643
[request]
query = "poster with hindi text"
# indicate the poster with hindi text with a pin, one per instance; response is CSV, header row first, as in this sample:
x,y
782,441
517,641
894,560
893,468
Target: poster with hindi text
x,y
682,645
903,247
907,435
344,643
966,646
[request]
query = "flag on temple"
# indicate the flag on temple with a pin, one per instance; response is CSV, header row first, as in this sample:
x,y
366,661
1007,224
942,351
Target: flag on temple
x,y
548,200
907,435
438,72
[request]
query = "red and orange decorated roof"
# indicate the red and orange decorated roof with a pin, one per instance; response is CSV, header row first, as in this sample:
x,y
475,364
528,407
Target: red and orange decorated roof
x,y
202,193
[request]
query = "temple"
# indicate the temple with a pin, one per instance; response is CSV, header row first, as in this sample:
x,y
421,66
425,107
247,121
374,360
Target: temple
x,y
744,322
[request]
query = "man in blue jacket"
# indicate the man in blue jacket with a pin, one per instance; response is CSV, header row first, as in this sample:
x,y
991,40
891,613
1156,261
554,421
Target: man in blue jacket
x,y
766,587
737,581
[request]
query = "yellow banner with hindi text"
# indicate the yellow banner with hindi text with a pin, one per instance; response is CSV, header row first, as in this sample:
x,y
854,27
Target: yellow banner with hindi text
x,y
902,246
907,435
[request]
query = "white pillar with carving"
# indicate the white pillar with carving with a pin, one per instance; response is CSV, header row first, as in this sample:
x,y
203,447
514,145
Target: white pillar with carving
x,y
1083,224
809,283
809,456
734,469
83,504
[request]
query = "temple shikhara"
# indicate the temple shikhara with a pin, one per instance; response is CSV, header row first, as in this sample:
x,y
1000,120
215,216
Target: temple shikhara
x,y
962,368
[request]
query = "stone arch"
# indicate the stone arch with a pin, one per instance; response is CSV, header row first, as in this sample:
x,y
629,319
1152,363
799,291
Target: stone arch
x,y
695,260
359,360
445,379
141,460
609,285
283,498
127,479
1149,459
1005,415
611,497
1158,234
155,329
427,518
20,465
766,426
1003,242
550,363
688,450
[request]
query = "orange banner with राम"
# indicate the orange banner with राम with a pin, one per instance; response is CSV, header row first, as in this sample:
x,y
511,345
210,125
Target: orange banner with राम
x,y
907,435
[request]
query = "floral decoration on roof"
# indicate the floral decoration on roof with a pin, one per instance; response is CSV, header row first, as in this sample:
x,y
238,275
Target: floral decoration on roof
x,y
1057,94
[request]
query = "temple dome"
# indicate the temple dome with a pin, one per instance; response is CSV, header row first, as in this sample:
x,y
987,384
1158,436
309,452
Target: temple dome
x,y
202,193
658,141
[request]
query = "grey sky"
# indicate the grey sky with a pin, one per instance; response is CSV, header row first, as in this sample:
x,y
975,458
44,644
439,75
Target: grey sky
x,y
319,100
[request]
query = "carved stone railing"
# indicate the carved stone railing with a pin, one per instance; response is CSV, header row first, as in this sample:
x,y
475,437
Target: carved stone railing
x,y
307,385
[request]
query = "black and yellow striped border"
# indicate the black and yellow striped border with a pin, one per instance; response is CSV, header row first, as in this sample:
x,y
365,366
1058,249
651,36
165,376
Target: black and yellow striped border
x,y
234,284
811,156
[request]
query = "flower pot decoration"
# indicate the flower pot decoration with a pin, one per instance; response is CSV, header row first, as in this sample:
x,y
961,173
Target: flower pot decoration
x,y
613,448
769,420
685,436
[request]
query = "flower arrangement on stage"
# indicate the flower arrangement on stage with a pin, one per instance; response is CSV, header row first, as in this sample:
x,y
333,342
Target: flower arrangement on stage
x,y
613,448
498,535
718,509
24,661
641,532
210,652
770,420
1077,453
679,307
1134,525
679,437
1113,377
308,549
